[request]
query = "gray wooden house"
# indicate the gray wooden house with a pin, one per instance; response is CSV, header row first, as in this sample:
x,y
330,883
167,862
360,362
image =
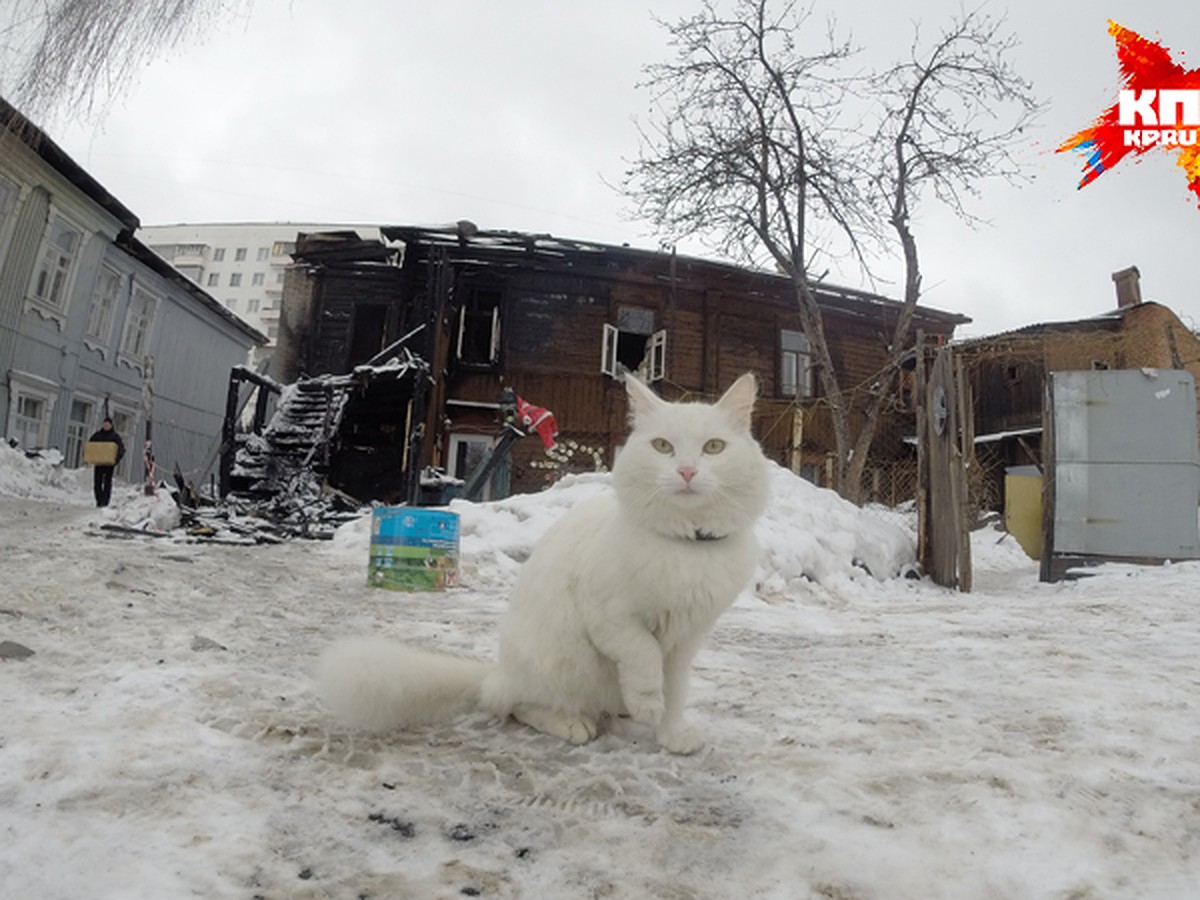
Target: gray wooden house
x,y
93,323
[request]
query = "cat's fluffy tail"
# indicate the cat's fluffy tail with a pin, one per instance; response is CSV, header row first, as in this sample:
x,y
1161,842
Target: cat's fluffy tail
x,y
379,685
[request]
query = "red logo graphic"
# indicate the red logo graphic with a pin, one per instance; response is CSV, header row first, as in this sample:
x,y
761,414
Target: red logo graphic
x,y
1157,107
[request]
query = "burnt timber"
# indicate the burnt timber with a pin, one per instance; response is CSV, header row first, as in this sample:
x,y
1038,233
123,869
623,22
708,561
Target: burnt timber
x,y
556,321
329,446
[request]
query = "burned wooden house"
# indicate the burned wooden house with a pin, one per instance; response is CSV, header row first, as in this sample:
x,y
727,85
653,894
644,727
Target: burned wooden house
x,y
555,322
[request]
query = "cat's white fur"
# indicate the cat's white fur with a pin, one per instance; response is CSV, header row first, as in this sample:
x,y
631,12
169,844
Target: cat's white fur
x,y
614,601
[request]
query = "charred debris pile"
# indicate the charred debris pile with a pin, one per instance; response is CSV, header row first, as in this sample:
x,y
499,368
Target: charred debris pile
x,y
313,455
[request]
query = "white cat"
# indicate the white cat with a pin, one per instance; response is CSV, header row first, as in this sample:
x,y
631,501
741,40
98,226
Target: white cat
x,y
614,601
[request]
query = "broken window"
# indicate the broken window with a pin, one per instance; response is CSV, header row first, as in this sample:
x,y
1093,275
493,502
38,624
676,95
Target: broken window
x,y
479,328
633,345
367,335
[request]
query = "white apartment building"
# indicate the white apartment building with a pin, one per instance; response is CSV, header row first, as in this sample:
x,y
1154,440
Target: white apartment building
x,y
239,263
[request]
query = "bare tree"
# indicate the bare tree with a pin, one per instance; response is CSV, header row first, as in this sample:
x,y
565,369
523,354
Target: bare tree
x,y
744,151
75,55
951,116
767,142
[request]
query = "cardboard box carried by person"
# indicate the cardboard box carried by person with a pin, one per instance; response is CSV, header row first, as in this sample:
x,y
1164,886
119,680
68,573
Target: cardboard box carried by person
x,y
100,453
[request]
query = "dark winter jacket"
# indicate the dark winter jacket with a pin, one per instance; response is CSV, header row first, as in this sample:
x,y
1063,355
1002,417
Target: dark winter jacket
x,y
110,435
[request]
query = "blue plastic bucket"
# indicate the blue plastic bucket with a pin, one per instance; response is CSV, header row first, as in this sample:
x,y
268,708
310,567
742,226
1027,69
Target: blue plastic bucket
x,y
413,549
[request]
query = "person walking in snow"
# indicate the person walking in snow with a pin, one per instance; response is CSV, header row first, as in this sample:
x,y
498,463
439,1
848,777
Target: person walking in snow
x,y
102,476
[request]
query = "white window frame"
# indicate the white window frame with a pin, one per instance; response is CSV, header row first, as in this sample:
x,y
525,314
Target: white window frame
x,y
656,352
79,430
608,350
655,360
24,385
106,297
31,429
493,343
139,325
49,291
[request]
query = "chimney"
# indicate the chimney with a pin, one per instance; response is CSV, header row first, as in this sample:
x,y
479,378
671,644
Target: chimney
x,y
1129,287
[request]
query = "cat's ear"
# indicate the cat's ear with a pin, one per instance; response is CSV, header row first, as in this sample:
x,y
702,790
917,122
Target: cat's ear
x,y
642,400
738,401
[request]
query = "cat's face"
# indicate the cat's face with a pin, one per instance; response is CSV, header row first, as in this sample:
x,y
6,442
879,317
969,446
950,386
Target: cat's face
x,y
692,468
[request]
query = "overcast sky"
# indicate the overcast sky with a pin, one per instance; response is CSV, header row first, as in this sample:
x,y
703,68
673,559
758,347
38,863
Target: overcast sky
x,y
519,114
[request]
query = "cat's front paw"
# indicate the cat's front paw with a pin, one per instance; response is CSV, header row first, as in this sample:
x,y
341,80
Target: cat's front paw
x,y
679,739
576,729
645,707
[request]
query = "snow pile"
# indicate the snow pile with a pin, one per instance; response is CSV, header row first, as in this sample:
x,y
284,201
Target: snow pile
x,y
42,477
155,512
995,550
808,534
496,537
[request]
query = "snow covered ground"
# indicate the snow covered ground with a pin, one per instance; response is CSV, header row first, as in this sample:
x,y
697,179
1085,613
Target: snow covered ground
x,y
870,737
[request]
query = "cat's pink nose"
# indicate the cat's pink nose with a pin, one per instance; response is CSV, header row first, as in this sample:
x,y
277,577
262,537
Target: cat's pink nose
x,y
687,473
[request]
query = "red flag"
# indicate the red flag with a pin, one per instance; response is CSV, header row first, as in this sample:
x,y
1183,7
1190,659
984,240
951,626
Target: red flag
x,y
536,417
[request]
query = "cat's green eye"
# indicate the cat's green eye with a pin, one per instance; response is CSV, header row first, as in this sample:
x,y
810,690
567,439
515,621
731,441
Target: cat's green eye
x,y
714,446
662,445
